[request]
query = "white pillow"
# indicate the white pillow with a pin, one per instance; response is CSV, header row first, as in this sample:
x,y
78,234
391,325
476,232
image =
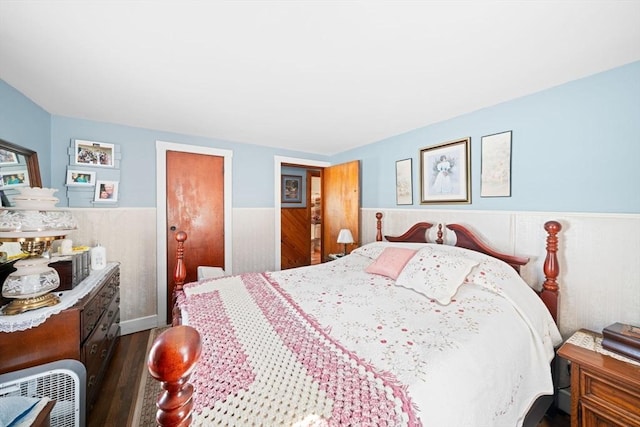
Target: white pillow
x,y
435,274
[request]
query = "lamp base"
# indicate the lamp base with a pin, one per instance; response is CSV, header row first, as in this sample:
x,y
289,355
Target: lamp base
x,y
21,305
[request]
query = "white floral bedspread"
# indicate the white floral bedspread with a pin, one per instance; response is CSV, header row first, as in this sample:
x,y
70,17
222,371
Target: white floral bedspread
x,y
480,361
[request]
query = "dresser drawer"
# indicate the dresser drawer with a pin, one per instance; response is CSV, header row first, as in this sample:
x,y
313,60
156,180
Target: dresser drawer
x,y
90,316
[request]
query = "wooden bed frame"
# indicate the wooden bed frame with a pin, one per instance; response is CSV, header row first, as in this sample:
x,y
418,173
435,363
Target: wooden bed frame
x,y
175,353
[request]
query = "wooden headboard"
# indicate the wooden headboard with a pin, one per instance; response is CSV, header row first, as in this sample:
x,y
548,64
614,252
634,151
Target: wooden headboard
x,y
465,238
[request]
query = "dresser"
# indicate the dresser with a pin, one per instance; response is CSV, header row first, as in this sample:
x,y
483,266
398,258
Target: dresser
x,y
605,387
85,329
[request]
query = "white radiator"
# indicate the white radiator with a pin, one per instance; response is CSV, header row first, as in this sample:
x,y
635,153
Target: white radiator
x,y
63,381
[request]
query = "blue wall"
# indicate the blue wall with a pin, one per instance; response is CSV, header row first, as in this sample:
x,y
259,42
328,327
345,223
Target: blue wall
x,y
576,148
24,123
252,164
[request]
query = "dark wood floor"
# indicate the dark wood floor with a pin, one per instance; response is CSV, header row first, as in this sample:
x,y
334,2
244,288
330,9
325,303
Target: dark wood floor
x,y
115,405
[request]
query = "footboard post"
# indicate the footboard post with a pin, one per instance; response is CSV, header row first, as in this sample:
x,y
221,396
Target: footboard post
x,y
173,356
549,293
179,275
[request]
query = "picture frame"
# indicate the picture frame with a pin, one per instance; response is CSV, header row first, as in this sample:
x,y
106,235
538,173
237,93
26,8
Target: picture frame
x,y
14,178
93,153
291,189
106,191
404,182
445,172
81,178
8,157
495,175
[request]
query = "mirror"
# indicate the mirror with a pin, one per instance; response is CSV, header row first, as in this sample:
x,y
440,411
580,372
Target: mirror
x,y
18,166
14,158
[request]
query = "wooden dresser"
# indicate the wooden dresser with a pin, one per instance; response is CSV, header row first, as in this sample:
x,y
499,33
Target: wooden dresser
x,y
86,331
605,390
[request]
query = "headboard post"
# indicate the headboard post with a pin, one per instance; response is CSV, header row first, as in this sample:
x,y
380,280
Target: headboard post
x,y
379,226
549,293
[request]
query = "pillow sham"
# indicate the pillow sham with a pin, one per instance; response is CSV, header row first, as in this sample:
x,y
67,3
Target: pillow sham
x,y
391,262
435,274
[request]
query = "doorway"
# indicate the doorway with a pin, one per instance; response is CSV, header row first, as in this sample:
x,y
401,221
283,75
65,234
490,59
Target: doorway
x,y
314,190
340,202
279,161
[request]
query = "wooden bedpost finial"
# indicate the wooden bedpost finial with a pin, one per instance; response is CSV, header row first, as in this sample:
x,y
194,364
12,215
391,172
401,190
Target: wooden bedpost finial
x,y
379,226
439,239
549,293
171,360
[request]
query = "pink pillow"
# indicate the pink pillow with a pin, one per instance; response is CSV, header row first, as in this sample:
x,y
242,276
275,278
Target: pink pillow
x,y
391,262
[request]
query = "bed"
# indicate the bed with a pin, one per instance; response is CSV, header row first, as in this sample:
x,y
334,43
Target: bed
x,y
401,331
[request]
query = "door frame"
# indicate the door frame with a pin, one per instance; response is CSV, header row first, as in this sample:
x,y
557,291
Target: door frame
x,y
278,161
161,214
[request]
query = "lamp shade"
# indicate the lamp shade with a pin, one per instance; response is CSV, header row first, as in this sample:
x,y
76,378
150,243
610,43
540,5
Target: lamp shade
x,y
345,236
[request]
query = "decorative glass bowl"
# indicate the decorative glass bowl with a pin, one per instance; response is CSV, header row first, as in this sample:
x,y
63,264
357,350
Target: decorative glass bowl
x,y
32,278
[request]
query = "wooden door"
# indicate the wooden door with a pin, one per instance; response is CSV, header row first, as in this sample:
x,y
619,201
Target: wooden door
x,y
195,204
341,205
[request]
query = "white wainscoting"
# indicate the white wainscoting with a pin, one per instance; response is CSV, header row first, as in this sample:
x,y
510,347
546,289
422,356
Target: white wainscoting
x,y
129,236
599,254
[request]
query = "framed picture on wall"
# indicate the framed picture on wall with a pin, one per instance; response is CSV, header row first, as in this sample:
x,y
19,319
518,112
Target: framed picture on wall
x,y
495,177
93,153
78,177
15,178
291,189
8,157
106,191
404,182
445,172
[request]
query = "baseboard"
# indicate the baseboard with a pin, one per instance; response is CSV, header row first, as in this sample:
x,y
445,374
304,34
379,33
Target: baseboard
x,y
140,324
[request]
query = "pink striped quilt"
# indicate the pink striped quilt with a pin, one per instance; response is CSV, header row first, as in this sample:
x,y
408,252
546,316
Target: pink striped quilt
x,y
265,362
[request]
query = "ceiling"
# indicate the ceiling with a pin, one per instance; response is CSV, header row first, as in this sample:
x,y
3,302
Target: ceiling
x,y
316,76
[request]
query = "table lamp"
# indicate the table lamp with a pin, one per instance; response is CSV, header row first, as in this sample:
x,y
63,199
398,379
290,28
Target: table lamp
x,y
344,236
33,223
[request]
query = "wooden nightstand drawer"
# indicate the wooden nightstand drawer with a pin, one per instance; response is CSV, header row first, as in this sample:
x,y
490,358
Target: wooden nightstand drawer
x,y
602,391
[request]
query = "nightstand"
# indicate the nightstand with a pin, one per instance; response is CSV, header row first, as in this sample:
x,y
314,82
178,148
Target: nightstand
x,y
605,386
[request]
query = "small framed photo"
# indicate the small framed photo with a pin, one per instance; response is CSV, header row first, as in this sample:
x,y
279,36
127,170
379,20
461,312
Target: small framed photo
x,y
93,153
291,189
445,172
106,191
15,178
8,157
404,182
495,177
75,177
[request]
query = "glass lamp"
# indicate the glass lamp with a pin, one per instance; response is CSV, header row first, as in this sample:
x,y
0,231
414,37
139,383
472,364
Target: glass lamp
x,y
345,236
34,227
